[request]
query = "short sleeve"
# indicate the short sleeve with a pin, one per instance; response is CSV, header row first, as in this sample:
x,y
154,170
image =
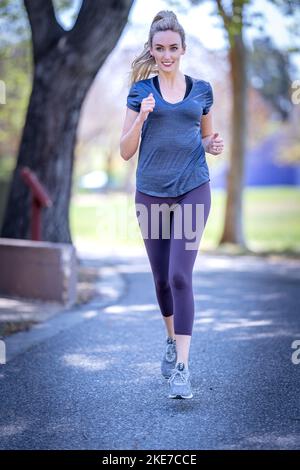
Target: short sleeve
x,y
133,98
209,99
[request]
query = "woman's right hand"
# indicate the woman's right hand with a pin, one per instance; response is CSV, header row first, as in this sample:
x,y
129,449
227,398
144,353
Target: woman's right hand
x,y
147,106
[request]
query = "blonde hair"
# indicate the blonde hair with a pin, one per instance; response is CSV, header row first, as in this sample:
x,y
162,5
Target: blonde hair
x,y
144,64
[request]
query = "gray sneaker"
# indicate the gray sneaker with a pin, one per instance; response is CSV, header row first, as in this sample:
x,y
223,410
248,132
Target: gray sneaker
x,y
180,383
169,358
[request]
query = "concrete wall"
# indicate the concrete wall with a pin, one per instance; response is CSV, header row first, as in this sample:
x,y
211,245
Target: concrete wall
x,y
38,270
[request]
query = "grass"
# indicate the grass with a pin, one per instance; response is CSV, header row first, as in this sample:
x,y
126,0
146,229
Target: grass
x,y
271,219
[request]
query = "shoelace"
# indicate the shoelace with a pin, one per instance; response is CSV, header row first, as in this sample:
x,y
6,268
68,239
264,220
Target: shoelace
x,y
170,351
181,374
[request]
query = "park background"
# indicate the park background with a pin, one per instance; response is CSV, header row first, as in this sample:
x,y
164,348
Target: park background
x,y
101,206
83,371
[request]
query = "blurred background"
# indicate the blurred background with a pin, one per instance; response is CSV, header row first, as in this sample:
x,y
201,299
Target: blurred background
x,y
266,190
89,378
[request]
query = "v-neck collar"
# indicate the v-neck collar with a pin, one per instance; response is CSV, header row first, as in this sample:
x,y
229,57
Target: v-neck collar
x,y
167,102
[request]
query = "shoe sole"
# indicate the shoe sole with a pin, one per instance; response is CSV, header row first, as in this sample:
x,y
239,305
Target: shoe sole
x,y
166,376
181,396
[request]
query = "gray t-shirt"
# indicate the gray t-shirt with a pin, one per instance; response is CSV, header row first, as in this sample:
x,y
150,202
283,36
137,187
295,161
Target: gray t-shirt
x,y
171,157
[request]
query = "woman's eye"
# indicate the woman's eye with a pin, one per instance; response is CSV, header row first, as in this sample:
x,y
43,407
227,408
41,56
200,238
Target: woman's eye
x,y
159,48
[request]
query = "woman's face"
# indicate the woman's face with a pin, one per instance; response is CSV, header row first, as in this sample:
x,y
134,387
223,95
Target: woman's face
x,y
167,50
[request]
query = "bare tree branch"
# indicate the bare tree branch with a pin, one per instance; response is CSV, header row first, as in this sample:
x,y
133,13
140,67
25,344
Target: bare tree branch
x,y
44,27
94,23
226,18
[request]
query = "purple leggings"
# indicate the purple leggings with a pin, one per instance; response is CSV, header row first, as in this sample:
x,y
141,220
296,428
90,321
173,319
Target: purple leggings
x,y
172,249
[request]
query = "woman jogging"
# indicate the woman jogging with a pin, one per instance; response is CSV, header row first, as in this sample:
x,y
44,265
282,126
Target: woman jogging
x,y
170,112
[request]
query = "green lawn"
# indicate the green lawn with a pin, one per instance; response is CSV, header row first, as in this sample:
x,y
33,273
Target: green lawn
x,y
271,219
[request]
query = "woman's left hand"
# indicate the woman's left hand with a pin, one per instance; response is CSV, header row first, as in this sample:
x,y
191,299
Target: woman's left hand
x,y
214,144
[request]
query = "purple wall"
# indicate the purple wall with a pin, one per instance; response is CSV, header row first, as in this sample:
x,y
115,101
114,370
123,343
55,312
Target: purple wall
x,y
262,167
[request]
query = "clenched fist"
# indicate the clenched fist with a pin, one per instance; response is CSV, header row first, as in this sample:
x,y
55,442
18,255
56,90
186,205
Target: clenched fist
x,y
213,144
147,106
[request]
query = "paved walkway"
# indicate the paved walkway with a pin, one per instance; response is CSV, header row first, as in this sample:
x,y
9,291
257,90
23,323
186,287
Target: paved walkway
x,y
90,379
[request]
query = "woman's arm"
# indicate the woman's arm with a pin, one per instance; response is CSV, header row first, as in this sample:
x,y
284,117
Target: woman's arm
x,y
133,125
206,129
207,124
211,140
131,132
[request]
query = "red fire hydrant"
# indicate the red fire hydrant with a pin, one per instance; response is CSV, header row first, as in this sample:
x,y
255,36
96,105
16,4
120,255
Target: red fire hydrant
x,y
40,199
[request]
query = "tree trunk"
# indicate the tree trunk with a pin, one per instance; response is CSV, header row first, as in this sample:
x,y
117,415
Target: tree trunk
x,y
47,148
66,63
233,224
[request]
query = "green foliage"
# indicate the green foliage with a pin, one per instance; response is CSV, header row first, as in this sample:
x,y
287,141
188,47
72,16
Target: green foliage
x,y
272,219
288,7
67,9
270,70
15,71
14,26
